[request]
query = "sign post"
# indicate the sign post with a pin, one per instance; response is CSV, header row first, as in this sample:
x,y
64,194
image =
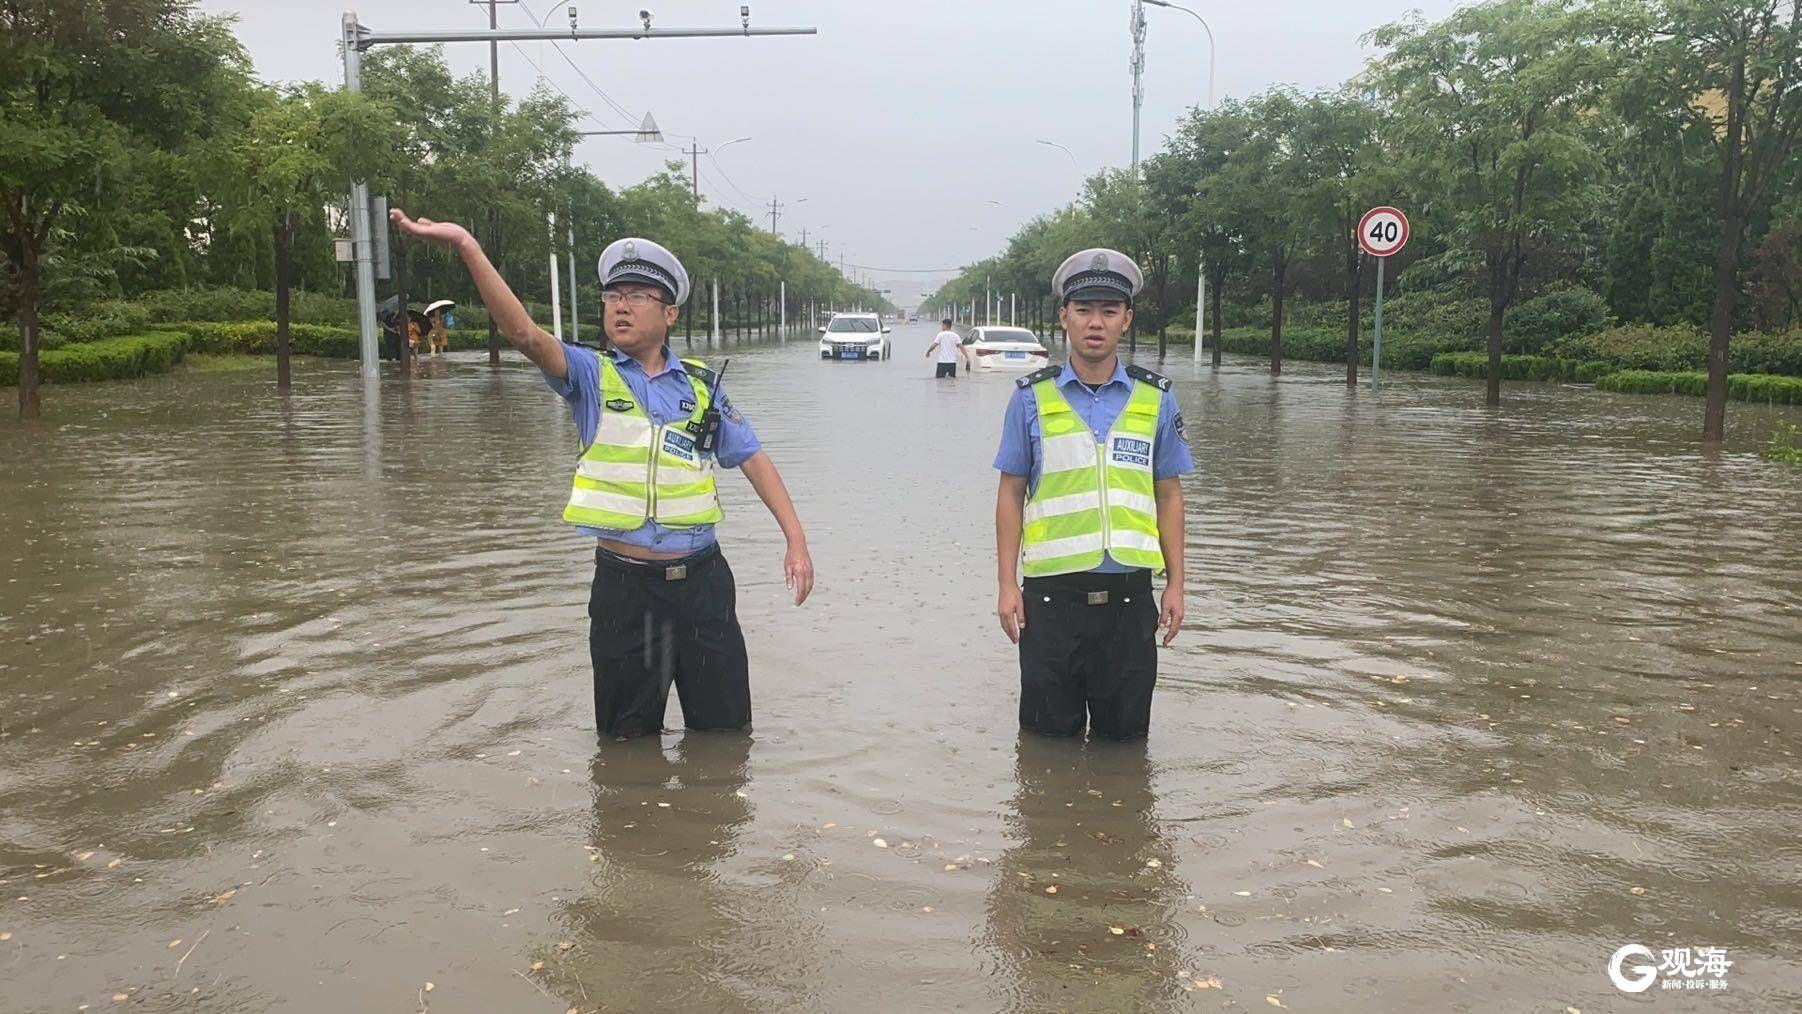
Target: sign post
x,y
1381,232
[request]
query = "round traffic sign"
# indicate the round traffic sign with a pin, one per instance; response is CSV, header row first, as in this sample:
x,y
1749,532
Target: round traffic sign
x,y
1382,231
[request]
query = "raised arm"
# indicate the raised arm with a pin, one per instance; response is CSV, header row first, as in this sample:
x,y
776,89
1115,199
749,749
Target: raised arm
x,y
508,312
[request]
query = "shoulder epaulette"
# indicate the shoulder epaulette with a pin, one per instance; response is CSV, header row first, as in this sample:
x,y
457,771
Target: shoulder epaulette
x,y
1047,373
1158,380
699,371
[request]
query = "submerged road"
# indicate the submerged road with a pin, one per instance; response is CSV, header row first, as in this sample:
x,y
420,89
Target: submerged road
x,y
295,712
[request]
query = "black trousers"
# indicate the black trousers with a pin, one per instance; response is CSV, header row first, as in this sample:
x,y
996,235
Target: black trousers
x,y
651,625
945,370
1088,661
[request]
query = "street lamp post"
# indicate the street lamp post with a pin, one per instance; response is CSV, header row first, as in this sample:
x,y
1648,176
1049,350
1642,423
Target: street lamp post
x,y
695,151
647,133
1138,96
1063,149
1205,28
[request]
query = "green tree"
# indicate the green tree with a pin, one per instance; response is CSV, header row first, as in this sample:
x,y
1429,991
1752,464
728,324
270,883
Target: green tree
x,y
1335,137
1490,104
296,152
1192,172
78,109
1264,182
1730,72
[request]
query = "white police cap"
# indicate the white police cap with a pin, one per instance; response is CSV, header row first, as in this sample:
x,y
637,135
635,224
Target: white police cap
x,y
640,260
1097,273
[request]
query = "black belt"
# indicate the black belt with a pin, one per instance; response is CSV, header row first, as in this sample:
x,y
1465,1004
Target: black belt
x,y
1091,588
669,570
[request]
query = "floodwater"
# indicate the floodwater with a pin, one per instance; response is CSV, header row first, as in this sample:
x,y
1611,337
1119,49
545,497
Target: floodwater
x,y
295,712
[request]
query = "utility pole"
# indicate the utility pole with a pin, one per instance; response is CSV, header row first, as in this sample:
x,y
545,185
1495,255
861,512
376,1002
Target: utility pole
x,y
1137,26
695,151
575,329
556,297
494,214
358,39
775,213
362,251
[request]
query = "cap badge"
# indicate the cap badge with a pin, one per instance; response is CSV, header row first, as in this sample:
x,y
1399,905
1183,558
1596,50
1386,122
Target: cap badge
x,y
630,251
1098,263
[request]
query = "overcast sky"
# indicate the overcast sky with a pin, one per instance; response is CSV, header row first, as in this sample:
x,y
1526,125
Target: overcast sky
x,y
910,127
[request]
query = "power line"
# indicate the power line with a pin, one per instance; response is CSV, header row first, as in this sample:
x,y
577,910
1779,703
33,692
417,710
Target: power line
x,y
559,88
623,112
721,170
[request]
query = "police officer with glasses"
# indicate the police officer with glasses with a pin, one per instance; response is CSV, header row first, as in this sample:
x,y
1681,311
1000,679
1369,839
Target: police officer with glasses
x,y
654,429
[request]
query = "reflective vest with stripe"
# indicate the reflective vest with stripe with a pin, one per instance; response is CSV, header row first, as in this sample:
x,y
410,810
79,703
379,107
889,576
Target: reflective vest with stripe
x,y
636,471
1092,497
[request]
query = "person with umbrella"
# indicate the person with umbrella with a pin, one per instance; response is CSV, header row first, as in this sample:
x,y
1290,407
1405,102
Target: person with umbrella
x,y
439,342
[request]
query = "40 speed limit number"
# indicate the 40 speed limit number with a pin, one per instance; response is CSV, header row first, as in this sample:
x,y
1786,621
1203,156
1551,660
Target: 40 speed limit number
x,y
1382,231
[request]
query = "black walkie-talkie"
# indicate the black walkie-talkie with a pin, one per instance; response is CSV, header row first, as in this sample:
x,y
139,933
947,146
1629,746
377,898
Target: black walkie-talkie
x,y
710,419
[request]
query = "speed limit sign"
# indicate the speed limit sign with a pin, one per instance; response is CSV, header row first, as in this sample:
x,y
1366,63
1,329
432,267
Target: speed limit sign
x,y
1382,231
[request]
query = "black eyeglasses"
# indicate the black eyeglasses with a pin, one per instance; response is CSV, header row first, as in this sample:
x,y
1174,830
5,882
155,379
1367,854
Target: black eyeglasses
x,y
612,298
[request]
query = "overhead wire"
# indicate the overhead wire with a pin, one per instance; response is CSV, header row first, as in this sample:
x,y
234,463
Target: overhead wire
x,y
598,90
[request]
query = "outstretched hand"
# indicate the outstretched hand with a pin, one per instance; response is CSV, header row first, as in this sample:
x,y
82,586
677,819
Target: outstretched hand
x,y
443,233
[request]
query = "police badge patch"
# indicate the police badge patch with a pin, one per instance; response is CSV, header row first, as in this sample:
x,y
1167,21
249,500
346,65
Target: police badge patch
x,y
619,404
1178,422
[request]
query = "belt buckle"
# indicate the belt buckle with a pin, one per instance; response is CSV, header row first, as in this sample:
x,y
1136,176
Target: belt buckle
x,y
1098,598
676,573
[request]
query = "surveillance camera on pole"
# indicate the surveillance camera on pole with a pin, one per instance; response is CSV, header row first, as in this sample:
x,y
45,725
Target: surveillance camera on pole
x,y
572,20
645,16
744,17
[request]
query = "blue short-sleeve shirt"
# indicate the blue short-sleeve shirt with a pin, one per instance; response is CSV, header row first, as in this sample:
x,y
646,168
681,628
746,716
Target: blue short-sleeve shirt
x,y
1020,452
661,393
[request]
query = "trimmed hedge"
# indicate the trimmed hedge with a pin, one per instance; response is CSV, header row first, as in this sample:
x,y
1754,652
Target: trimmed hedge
x,y
1756,387
257,337
1326,345
1475,366
1654,382
464,339
1683,348
107,359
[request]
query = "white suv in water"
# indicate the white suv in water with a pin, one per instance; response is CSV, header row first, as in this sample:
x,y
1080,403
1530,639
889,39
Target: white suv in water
x,y
854,336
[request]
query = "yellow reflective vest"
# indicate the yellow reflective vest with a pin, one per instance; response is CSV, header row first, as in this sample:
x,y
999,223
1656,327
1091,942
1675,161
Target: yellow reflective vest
x,y
636,471
1093,498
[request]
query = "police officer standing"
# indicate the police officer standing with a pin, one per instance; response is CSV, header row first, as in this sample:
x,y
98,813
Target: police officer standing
x,y
1090,505
653,429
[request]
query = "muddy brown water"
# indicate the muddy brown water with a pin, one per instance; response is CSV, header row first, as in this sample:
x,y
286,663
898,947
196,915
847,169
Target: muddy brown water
x,y
295,712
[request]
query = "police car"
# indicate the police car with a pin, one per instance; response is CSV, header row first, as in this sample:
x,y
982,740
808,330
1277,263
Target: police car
x,y
854,336
1005,348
